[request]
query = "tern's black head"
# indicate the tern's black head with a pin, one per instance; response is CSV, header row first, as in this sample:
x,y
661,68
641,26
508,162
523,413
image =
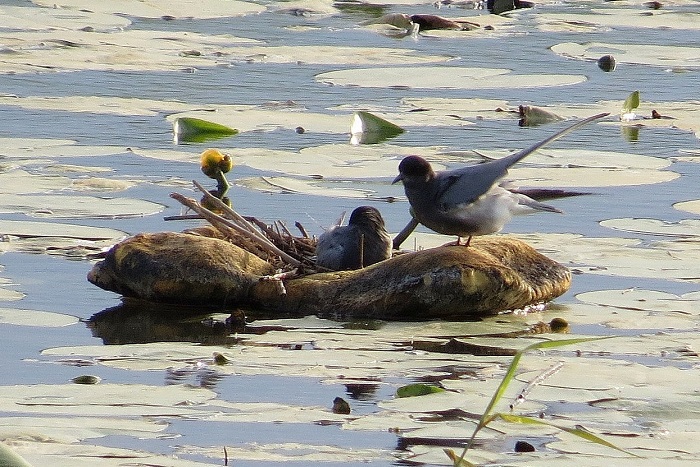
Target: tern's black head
x,y
367,215
414,167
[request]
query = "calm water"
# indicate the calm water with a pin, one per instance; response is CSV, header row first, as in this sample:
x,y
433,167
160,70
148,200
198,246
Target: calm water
x,y
57,284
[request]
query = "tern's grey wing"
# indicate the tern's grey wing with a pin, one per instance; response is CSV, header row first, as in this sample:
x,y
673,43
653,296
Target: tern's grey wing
x,y
507,161
338,249
465,185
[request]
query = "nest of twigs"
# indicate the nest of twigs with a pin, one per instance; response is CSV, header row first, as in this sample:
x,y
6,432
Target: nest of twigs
x,y
274,243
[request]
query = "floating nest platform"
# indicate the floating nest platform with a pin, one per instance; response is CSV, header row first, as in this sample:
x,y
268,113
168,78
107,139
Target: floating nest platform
x,y
244,263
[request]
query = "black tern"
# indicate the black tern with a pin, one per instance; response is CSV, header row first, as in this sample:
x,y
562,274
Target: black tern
x,y
363,242
469,201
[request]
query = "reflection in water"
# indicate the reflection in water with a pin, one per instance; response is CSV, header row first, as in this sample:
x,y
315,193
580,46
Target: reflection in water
x,y
142,322
362,391
630,132
203,376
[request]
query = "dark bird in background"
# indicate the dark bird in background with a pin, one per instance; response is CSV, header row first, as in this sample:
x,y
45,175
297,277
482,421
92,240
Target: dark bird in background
x,y
364,241
469,201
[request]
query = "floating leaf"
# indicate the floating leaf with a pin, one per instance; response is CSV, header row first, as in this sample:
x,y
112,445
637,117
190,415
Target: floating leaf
x,y
683,228
418,389
8,458
196,130
202,9
444,77
22,317
367,128
86,379
533,116
631,103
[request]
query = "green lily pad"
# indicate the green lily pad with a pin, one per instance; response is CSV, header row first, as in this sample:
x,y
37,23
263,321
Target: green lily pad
x,y
196,130
10,458
417,389
631,103
368,128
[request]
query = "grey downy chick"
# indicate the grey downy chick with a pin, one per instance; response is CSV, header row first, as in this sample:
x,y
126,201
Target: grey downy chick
x,y
363,242
469,201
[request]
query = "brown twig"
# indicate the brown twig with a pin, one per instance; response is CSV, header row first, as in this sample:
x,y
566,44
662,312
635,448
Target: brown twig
x,y
301,229
245,229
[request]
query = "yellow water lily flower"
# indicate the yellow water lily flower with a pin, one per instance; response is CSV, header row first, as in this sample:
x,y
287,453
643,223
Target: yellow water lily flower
x,y
212,161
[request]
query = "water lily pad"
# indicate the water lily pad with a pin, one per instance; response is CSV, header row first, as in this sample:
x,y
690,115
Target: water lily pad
x,y
66,430
305,186
27,18
148,50
86,455
11,458
674,260
291,452
588,313
21,182
109,400
174,51
444,77
7,295
684,228
101,184
618,18
647,300
26,149
38,318
688,206
51,229
68,206
645,54
96,105
184,9
334,161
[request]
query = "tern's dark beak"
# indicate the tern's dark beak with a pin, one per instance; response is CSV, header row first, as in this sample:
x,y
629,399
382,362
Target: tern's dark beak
x,y
398,178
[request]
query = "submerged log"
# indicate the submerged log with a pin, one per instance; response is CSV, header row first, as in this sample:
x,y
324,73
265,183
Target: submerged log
x,y
494,274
